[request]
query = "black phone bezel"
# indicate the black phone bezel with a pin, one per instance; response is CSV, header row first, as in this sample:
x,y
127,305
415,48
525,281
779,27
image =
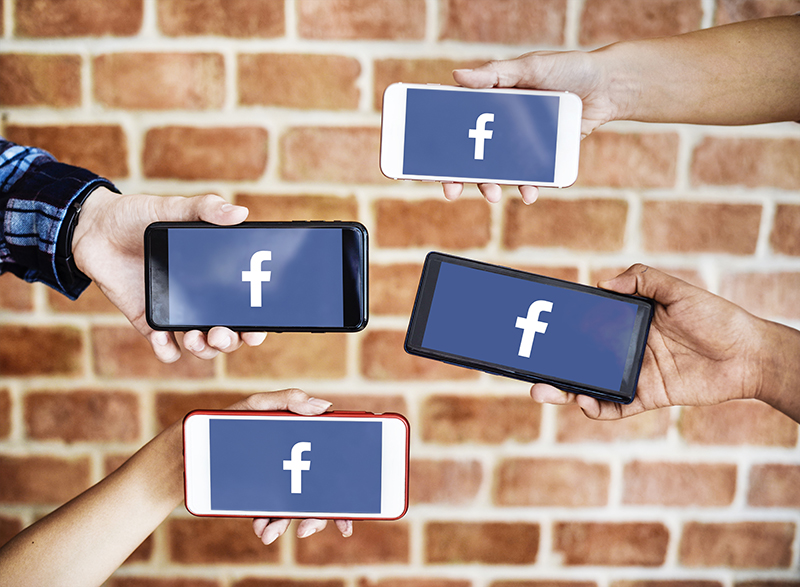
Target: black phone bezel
x,y
422,308
355,282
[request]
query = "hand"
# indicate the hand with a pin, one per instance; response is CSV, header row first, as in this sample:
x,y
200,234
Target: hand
x,y
108,246
294,400
702,349
574,71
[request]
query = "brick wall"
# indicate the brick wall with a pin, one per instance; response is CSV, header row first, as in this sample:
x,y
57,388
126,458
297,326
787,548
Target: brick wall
x,y
275,104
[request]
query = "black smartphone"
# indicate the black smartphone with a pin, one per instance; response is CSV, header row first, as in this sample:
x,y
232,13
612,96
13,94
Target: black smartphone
x,y
530,327
257,276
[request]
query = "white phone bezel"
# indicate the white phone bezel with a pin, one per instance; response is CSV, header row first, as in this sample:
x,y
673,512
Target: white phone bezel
x,y
393,135
394,472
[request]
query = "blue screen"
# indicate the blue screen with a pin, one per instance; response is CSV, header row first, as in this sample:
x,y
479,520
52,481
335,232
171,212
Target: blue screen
x,y
256,276
568,334
480,135
253,462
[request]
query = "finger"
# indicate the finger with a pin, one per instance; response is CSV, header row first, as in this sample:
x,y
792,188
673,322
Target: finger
x,y
530,193
543,393
491,191
310,526
271,530
650,283
452,190
210,208
508,73
253,338
223,339
345,527
194,341
164,346
294,400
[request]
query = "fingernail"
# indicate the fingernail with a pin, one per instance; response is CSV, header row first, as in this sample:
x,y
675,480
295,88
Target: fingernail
x,y
465,70
226,343
269,536
307,532
320,403
161,338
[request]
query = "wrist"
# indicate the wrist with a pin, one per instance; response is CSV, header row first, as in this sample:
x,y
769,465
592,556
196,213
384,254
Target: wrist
x,y
778,374
88,220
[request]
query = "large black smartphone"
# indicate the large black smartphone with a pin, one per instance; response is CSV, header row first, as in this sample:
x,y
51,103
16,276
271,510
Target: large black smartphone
x,y
530,327
257,276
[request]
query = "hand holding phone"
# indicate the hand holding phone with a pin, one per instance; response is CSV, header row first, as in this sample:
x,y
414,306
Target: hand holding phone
x,y
494,136
257,276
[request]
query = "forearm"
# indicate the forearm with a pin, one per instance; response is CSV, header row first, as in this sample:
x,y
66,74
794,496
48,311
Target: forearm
x,y
778,364
743,73
85,540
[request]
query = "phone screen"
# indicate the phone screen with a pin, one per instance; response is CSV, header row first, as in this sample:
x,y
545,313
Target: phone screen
x,y
506,136
530,327
278,277
298,466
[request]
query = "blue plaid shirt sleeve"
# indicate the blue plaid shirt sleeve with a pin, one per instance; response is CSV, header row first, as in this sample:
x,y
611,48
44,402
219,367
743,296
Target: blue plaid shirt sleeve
x,y
35,193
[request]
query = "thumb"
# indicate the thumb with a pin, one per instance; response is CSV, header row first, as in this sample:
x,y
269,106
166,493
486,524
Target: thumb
x,y
210,208
509,73
650,283
293,400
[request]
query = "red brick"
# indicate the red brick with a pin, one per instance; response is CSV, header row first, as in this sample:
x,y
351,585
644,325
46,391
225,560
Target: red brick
x,y
544,583
82,415
750,162
40,350
688,227
494,543
641,544
774,485
270,207
181,152
225,18
323,82
209,541
336,155
679,484
414,582
737,423
42,480
667,583
5,413
9,527
454,419
270,582
551,483
160,81
742,545
123,352
604,21
444,482
15,294
290,355
40,80
91,301
99,148
130,581
172,406
77,18
372,543
574,426
392,288
785,235
738,10
632,160
498,21
416,71
769,295
361,19
383,359
464,224
583,225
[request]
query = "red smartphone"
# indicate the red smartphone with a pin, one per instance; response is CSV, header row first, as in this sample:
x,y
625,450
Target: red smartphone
x,y
349,465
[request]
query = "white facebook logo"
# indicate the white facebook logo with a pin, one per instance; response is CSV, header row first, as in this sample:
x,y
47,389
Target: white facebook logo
x,y
531,324
297,465
480,134
256,276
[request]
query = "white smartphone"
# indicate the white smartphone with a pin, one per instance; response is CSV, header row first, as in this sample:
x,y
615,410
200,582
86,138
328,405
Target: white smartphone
x,y
349,465
503,136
